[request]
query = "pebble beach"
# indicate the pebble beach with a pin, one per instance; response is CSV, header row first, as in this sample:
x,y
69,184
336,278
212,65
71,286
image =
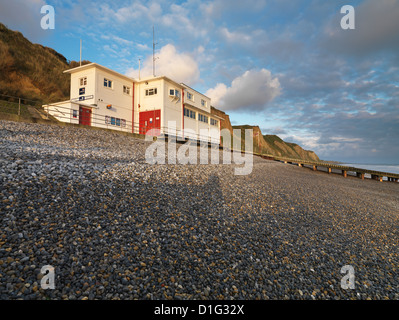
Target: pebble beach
x,y
115,227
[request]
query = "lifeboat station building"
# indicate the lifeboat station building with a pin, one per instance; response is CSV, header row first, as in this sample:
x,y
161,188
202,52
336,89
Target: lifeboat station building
x,y
104,98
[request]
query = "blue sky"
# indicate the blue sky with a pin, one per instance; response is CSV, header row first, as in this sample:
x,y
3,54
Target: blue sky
x,y
285,65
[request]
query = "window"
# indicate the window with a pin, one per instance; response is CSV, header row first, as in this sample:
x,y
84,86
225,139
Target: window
x,y
214,122
75,113
151,92
190,96
115,121
189,113
174,93
126,90
107,83
203,103
83,81
202,118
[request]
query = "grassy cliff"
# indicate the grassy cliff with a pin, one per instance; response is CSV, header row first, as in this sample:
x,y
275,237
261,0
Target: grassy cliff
x,y
32,71
266,144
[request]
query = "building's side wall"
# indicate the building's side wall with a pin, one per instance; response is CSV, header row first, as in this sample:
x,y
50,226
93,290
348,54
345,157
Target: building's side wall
x,y
191,127
203,128
83,91
64,111
196,100
145,102
173,113
214,131
119,115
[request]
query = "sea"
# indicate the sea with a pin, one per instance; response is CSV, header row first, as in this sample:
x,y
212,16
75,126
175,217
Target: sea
x,y
390,168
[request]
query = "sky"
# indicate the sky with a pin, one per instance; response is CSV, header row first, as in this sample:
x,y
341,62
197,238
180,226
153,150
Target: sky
x,y
287,66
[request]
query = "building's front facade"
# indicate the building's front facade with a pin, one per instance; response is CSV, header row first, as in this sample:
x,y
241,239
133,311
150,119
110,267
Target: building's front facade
x,y
104,98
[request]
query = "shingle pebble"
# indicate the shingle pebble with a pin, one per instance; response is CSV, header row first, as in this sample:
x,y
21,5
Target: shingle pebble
x,y
114,227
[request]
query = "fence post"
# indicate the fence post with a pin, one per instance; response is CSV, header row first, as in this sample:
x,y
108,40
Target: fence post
x,y
19,106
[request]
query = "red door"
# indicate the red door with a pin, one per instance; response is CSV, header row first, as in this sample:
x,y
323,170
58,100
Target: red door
x,y
150,120
85,116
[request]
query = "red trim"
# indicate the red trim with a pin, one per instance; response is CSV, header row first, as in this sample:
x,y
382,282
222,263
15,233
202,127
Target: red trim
x,y
220,138
182,113
133,109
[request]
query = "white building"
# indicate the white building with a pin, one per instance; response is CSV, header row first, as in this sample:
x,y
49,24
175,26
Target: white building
x,y
104,98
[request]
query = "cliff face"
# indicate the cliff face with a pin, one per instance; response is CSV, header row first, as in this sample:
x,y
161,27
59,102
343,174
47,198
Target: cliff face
x,y
30,70
290,150
266,144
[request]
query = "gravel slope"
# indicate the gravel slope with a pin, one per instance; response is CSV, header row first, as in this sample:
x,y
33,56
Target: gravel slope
x,y
114,227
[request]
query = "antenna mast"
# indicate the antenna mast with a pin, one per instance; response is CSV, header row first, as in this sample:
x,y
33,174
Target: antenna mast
x,y
153,51
80,61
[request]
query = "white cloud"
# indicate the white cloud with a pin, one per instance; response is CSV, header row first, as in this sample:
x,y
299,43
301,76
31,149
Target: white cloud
x,y
180,67
138,10
235,36
217,94
252,90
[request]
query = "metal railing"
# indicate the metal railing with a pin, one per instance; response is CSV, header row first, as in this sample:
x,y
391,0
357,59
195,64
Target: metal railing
x,y
86,115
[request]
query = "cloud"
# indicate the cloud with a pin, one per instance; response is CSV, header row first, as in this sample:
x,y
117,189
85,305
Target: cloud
x,y
376,29
235,36
133,11
180,67
253,90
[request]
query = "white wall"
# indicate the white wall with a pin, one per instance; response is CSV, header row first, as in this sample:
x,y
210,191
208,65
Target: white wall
x,y
63,111
196,102
173,111
89,88
121,103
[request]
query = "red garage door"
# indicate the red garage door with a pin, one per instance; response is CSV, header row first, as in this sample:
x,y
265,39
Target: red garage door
x,y
150,120
85,116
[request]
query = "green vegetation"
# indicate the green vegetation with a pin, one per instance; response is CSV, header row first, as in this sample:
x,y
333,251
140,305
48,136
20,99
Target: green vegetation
x,y
14,108
32,71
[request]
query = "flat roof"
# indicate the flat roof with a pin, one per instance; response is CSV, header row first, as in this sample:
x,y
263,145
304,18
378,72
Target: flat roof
x,y
186,86
96,65
158,78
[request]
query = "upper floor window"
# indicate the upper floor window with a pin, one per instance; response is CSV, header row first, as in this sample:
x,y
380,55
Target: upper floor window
x,y
107,83
202,118
190,96
214,122
174,93
150,92
189,113
83,81
203,103
126,90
